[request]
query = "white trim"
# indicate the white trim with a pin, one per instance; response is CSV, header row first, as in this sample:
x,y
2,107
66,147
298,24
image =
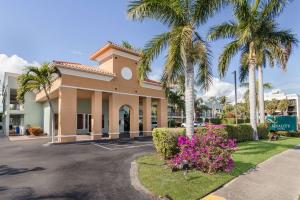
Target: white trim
x,y
116,52
150,86
108,91
90,75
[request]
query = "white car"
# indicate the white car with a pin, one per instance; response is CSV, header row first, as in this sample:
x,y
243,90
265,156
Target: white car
x,y
196,124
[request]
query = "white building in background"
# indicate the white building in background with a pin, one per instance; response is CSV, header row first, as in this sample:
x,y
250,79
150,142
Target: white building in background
x,y
16,116
294,101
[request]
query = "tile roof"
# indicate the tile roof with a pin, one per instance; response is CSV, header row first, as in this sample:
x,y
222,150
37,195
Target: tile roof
x,y
81,67
115,46
152,81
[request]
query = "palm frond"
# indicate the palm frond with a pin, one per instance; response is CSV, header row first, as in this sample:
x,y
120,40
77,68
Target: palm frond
x,y
272,8
167,11
152,49
224,30
229,51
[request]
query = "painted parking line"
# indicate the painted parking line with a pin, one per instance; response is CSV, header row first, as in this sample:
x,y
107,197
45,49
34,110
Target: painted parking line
x,y
98,145
118,147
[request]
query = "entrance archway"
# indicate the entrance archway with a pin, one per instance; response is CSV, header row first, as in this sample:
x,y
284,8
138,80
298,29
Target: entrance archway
x,y
124,120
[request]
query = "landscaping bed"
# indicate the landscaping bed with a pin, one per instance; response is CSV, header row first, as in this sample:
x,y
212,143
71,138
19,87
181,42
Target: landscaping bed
x,y
156,175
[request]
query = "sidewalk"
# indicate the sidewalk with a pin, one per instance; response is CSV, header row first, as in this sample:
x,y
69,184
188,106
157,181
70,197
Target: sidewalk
x,y
277,178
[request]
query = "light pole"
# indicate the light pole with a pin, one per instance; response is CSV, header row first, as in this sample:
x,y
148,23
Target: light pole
x,y
235,96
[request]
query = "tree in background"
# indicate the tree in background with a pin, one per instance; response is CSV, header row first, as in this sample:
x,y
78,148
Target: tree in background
x,y
271,106
283,106
38,79
185,47
243,111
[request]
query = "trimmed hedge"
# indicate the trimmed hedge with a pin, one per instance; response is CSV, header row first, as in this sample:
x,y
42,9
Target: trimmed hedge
x,y
165,139
232,121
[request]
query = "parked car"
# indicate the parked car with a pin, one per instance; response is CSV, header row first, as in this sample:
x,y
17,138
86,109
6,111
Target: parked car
x,y
196,124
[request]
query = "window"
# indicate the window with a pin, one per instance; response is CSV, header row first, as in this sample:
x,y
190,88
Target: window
x,y
79,121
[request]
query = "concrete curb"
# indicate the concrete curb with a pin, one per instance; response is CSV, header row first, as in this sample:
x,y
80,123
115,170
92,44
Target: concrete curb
x,y
135,182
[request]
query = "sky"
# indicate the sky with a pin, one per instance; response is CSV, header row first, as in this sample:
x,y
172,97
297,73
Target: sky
x,y
37,31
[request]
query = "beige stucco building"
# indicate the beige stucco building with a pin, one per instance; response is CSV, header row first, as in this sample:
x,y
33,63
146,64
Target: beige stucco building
x,y
105,99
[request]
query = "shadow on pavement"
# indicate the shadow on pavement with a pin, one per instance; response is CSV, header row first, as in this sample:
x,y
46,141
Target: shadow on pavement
x,y
6,170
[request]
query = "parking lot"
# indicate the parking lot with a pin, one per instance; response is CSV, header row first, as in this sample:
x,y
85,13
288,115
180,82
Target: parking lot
x,y
89,170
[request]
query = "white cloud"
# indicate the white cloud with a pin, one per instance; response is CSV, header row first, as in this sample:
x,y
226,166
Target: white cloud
x,y
13,64
222,88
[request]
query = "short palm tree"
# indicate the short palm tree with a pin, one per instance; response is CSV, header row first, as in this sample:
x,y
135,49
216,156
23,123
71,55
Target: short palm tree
x,y
252,31
38,79
185,47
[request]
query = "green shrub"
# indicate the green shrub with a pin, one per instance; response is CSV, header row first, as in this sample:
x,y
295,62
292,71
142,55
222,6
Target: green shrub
x,y
232,121
241,132
215,121
288,134
165,140
263,131
171,123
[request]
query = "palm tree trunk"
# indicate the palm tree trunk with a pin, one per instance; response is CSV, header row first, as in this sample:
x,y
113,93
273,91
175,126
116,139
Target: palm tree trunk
x,y
261,95
52,116
189,99
252,98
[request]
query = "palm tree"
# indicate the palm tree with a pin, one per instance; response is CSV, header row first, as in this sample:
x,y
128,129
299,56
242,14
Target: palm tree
x,y
185,47
38,79
253,31
223,100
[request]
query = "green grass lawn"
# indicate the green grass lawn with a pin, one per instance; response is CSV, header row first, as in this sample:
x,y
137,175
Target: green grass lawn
x,y
158,178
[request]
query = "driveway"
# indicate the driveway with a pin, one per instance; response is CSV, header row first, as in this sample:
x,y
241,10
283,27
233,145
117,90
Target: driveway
x,y
29,170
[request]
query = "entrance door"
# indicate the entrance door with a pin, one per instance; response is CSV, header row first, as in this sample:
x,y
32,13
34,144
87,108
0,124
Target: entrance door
x,y
124,121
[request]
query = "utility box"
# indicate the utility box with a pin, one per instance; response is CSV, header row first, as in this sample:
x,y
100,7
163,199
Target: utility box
x,y
282,123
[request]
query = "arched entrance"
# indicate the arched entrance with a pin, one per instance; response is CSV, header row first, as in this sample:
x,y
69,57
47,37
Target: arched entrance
x,y
124,121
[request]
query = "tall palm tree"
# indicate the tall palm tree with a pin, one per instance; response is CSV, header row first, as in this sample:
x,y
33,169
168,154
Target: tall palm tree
x,y
252,31
38,79
185,47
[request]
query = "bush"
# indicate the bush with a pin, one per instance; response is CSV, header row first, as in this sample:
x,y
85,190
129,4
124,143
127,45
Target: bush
x,y
232,121
165,140
241,132
171,123
209,152
288,134
215,120
263,131
36,131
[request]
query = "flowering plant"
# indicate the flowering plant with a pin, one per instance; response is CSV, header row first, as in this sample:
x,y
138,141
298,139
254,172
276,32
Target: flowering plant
x,y
209,152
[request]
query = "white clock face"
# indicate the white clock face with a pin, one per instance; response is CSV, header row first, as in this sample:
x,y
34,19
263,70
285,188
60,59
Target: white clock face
x,y
126,73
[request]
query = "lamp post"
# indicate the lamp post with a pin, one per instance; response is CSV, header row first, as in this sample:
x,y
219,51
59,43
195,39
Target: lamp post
x,y
235,96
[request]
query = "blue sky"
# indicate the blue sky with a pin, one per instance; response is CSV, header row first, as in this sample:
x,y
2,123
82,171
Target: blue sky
x,y
45,30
